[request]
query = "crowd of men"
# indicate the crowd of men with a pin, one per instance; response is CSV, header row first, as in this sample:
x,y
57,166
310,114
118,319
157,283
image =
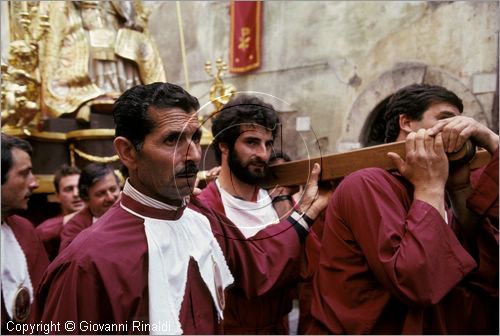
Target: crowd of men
x,y
411,251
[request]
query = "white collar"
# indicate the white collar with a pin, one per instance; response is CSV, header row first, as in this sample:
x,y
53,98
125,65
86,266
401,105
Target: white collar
x,y
249,217
135,194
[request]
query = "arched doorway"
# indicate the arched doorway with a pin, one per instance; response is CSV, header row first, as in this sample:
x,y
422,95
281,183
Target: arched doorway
x,y
365,119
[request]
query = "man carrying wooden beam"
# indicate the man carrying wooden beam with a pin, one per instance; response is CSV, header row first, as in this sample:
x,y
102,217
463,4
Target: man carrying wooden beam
x,y
403,252
253,226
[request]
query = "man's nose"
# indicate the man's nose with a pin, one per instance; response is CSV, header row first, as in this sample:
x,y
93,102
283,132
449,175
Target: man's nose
x,y
193,152
262,152
33,184
111,195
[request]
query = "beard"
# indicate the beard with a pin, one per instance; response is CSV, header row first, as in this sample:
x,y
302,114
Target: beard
x,y
243,172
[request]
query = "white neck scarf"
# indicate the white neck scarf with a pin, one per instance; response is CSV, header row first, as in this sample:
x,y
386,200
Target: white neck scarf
x,y
130,191
171,244
14,269
249,217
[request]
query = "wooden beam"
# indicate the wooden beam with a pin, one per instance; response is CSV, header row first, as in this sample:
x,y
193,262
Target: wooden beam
x,y
336,166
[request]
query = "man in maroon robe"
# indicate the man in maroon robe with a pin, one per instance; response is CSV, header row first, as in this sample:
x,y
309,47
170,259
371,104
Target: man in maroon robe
x,y
99,187
23,257
394,259
66,187
262,237
149,264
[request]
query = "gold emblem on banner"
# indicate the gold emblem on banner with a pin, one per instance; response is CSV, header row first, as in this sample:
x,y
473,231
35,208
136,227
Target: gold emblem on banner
x,y
21,305
244,38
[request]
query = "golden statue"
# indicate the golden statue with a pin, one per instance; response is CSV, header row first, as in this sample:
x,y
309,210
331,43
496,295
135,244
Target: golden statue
x,y
21,78
95,49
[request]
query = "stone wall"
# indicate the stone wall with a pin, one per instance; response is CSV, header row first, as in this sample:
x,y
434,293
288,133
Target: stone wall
x,y
334,61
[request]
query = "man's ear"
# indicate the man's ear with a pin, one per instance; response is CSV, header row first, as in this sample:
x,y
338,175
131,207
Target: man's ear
x,y
405,124
126,151
223,148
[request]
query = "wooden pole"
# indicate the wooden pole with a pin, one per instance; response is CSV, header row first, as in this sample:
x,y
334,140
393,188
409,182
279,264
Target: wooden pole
x,y
336,166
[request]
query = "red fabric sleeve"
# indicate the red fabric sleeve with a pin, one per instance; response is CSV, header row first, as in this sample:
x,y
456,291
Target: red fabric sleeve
x,y
408,246
379,243
74,226
50,233
484,199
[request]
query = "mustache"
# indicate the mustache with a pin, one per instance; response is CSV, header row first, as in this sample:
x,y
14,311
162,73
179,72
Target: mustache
x,y
258,161
189,169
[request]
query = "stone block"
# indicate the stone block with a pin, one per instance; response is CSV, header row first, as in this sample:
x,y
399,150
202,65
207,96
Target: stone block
x,y
483,83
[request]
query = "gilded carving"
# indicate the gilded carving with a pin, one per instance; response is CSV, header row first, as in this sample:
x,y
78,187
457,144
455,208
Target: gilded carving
x,y
96,49
21,76
220,93
65,54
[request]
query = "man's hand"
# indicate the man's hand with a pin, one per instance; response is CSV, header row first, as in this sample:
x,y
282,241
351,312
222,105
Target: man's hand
x,y
314,200
208,176
457,130
426,167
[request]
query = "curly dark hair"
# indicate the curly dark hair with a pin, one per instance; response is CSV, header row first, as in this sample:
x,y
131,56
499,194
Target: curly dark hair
x,y
8,144
413,100
131,114
243,109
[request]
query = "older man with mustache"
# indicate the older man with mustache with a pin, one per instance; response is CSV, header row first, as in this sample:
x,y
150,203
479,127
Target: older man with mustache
x,y
149,265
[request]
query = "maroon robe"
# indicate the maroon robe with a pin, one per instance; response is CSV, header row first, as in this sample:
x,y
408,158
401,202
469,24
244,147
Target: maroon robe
x,y
36,259
50,233
484,199
103,277
390,264
309,266
265,267
79,222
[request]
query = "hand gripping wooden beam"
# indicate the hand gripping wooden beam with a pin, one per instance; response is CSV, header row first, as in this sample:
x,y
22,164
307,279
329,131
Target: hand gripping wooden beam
x,y
336,166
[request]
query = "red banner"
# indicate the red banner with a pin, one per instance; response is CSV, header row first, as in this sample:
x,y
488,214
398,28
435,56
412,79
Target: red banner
x,y
245,43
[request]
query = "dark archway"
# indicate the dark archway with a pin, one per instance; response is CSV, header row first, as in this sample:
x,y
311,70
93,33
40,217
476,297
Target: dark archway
x,y
373,131
364,127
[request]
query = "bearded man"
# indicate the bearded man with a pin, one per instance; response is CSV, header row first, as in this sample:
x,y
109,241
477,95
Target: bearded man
x,y
251,225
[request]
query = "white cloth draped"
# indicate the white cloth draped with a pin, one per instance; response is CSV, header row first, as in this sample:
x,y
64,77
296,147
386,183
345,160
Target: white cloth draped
x,y
171,244
249,217
14,269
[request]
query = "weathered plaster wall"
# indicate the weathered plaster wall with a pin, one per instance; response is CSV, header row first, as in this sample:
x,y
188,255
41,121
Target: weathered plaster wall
x,y
333,61
320,57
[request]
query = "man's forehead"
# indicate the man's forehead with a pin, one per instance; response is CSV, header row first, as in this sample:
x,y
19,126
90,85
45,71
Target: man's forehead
x,y
69,178
254,129
20,157
176,119
444,108
172,113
